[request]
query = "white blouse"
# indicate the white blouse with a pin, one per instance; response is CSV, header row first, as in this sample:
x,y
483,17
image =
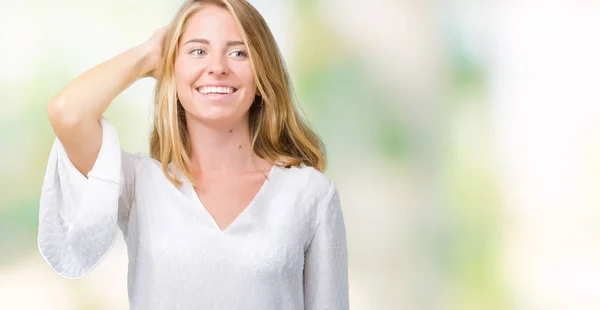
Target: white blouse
x,y
286,250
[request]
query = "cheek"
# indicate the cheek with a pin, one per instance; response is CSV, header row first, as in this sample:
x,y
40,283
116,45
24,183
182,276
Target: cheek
x,y
247,77
185,72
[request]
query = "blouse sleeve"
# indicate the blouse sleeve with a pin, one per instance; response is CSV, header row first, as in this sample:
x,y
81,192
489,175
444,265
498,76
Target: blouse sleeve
x,y
79,216
326,260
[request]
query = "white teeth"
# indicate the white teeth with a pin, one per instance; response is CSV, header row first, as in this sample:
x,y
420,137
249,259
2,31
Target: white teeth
x,y
216,90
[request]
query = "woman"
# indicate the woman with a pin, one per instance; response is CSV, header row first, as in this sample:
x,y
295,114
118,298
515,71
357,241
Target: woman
x,y
230,210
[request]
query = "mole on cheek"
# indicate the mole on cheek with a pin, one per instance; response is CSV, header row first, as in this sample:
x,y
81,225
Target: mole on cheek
x,y
230,130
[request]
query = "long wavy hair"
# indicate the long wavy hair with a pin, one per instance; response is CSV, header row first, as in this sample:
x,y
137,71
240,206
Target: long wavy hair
x,y
279,134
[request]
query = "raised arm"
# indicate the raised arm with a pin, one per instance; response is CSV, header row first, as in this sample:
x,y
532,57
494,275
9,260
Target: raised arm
x,y
75,112
89,183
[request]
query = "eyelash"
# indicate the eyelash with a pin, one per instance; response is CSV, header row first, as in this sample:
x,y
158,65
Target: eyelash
x,y
244,54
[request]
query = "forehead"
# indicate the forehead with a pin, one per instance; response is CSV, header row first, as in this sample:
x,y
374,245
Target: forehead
x,y
212,23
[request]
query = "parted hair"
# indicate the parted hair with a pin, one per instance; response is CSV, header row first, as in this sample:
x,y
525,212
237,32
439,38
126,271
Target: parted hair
x,y
279,133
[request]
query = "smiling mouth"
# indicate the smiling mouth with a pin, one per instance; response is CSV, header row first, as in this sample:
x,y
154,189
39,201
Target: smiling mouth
x,y
216,90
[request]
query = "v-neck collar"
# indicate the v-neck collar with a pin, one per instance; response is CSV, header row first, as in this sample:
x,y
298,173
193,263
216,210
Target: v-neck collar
x,y
190,192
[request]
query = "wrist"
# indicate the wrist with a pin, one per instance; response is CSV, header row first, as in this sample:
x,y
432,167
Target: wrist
x,y
147,62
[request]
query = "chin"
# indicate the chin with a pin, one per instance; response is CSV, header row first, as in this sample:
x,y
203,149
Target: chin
x,y
217,117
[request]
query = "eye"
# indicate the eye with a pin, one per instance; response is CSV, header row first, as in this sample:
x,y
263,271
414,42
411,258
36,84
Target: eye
x,y
239,54
197,52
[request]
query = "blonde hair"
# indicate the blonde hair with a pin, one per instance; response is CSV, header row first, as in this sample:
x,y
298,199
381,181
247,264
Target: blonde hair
x,y
279,133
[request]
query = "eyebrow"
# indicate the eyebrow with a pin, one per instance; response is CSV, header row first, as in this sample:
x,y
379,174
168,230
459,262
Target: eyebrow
x,y
205,41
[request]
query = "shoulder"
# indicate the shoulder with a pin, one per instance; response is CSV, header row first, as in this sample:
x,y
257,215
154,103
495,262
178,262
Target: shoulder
x,y
310,176
139,163
311,182
317,197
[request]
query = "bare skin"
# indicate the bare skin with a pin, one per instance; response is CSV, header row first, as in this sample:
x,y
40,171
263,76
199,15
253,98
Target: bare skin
x,y
229,172
76,110
222,158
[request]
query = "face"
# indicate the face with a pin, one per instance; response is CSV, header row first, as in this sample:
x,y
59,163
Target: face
x,y
213,75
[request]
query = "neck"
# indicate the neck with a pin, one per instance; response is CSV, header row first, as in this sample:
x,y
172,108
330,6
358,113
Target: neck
x,y
220,150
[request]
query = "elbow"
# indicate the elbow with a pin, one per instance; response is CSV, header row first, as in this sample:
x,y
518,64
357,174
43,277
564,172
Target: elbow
x,y
61,115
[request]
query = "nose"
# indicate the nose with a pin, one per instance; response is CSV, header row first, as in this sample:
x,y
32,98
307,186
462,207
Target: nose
x,y
217,65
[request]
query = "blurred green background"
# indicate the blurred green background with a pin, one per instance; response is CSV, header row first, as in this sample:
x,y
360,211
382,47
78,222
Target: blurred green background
x,y
463,137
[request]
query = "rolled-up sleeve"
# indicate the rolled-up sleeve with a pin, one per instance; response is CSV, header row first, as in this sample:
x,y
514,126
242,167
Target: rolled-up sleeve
x,y
326,259
78,216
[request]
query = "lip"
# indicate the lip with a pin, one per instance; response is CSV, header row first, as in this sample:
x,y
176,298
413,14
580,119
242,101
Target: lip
x,y
216,97
217,85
